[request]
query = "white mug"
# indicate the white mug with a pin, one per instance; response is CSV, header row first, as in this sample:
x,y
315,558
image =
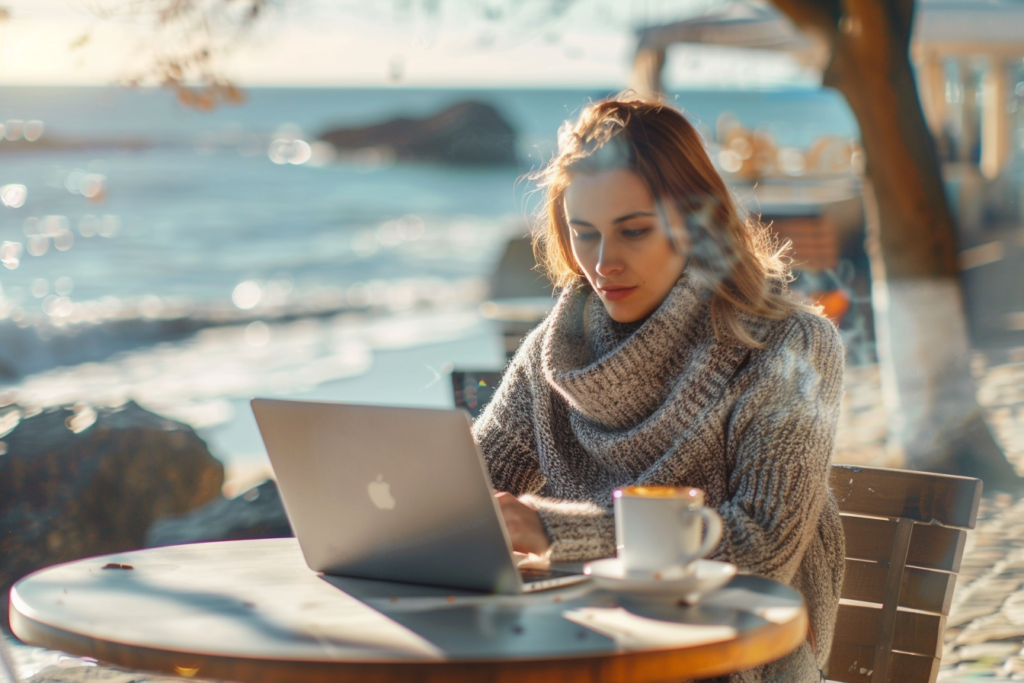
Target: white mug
x,y
660,527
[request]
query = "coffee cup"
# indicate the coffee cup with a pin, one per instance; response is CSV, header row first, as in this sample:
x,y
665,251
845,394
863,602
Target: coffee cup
x,y
658,528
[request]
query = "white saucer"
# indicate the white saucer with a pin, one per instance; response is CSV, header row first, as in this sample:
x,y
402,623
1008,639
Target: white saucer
x,y
688,583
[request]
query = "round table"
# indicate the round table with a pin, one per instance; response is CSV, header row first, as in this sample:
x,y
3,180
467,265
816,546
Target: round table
x,y
253,611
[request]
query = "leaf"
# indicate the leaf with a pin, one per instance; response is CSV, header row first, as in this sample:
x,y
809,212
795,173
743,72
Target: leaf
x,y
79,42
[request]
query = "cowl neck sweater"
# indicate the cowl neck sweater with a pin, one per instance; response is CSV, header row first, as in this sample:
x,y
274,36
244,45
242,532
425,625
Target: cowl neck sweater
x,y
618,375
588,405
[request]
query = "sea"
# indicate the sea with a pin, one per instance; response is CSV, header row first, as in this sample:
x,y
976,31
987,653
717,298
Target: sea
x,y
189,259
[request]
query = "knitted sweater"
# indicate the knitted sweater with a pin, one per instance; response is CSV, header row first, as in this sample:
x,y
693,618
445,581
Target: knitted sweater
x,y
588,405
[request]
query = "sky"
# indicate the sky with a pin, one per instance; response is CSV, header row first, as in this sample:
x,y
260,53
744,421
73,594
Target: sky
x,y
498,43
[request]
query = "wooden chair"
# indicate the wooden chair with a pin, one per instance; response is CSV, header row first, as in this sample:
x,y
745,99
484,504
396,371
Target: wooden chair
x,y
905,534
473,389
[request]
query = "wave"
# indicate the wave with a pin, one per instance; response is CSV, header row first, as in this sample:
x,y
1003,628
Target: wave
x,y
194,380
73,333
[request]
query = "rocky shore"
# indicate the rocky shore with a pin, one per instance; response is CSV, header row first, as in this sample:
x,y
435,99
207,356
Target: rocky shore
x,y
77,482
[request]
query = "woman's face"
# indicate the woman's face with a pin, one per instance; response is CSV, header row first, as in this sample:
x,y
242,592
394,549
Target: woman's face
x,y
620,242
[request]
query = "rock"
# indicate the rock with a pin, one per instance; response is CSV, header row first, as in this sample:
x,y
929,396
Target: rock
x,y
257,513
466,133
80,482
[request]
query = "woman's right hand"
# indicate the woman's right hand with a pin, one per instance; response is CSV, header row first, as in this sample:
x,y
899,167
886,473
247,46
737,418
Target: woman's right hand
x,y
523,524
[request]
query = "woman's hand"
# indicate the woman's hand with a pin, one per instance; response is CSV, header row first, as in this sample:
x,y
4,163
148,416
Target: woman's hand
x,y
523,524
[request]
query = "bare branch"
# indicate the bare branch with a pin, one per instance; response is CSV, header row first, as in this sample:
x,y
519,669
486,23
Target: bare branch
x,y
187,43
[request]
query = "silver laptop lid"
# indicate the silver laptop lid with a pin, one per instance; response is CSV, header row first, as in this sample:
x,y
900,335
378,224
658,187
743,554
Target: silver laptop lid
x,y
377,492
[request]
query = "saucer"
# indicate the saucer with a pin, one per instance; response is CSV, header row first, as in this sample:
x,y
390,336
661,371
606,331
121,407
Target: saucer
x,y
689,583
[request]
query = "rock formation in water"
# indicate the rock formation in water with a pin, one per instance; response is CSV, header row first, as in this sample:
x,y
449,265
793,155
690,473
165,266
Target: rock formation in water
x,y
81,482
468,133
257,513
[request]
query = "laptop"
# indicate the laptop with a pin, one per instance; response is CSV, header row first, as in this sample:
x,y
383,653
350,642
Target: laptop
x,y
396,494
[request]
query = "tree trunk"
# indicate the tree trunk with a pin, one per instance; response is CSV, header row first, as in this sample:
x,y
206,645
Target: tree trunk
x,y
924,350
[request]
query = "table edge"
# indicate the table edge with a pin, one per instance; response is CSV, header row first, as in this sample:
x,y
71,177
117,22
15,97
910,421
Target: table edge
x,y
701,661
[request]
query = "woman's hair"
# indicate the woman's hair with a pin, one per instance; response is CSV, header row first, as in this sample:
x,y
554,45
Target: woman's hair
x,y
735,257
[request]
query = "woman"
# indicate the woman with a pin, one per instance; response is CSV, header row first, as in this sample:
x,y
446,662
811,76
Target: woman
x,y
673,356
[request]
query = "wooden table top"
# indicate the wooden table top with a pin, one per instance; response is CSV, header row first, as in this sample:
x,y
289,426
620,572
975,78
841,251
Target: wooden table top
x,y
253,611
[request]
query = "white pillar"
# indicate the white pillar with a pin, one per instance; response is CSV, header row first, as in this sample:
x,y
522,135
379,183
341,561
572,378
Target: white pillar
x,y
924,357
995,120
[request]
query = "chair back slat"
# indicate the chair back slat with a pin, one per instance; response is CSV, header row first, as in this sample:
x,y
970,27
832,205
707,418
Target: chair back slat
x,y
905,537
890,600
921,589
855,664
946,499
915,632
931,546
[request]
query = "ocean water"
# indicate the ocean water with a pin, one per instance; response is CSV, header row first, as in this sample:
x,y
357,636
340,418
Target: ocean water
x,y
201,207
160,254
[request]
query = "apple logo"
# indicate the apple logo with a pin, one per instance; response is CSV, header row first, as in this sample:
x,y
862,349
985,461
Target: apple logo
x,y
380,493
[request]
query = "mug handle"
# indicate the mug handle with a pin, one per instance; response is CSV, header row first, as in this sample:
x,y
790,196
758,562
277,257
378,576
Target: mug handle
x,y
713,521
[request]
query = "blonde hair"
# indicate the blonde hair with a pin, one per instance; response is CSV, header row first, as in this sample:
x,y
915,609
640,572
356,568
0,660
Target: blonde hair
x,y
736,258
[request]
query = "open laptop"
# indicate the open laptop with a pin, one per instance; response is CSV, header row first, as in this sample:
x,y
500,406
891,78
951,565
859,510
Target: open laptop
x,y
399,494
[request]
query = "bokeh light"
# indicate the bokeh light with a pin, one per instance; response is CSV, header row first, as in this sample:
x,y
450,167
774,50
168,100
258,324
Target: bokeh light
x,y
63,286
10,255
13,195
57,306
88,225
109,226
247,295
38,245
93,186
364,244
791,161
411,227
729,161
33,130
14,129
64,240
295,152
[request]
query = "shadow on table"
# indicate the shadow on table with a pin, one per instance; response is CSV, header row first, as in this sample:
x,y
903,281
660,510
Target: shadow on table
x,y
466,624
208,601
